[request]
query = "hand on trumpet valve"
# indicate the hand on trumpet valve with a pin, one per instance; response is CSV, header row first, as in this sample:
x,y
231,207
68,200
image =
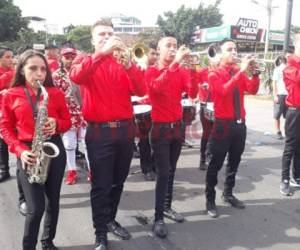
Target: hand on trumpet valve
x,y
182,53
113,43
247,62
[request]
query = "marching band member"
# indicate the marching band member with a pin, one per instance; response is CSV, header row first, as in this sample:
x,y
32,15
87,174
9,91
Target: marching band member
x,y
146,156
204,97
20,108
52,56
291,76
6,75
166,83
107,86
73,99
228,83
7,72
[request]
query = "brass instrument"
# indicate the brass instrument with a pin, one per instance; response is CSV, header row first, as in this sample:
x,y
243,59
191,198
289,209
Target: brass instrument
x,y
43,150
212,52
139,52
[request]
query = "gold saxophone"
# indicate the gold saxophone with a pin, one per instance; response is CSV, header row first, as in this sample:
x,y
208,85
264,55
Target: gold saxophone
x,y
43,150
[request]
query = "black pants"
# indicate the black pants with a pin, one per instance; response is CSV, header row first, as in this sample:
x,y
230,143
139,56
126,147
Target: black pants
x,y
166,143
4,167
207,127
292,145
20,189
146,156
42,199
110,153
227,137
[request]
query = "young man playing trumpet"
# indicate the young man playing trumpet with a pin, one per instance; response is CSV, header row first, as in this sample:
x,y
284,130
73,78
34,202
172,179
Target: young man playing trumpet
x,y
228,82
166,82
107,85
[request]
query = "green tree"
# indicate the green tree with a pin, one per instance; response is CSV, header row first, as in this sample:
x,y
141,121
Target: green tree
x,y
182,23
81,37
295,29
11,21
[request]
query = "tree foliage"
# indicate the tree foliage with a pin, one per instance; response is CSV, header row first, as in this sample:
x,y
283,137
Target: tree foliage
x,y
11,21
81,37
182,23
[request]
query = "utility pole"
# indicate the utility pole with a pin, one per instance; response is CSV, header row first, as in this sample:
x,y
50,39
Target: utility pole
x,y
269,9
288,18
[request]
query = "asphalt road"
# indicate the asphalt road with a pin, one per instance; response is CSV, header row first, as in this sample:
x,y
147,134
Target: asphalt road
x,y
270,221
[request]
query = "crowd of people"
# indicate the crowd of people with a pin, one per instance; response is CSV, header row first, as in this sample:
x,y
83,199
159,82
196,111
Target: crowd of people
x,y
89,101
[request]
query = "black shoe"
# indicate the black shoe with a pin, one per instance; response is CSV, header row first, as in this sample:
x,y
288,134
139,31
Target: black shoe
x,y
233,201
285,188
150,176
101,243
203,166
4,175
115,228
79,155
173,215
212,209
160,229
48,245
23,208
279,135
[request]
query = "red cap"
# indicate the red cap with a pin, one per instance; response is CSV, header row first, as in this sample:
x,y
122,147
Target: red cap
x,y
65,51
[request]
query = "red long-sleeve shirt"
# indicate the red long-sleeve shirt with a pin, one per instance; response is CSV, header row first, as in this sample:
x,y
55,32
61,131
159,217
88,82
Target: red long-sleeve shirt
x,y
17,123
106,87
291,77
222,86
202,78
165,90
53,64
6,76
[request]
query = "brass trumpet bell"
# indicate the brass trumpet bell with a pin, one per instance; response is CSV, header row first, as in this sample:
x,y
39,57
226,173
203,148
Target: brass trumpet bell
x,y
139,51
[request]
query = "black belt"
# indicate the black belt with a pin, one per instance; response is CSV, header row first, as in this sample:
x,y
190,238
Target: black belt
x,y
167,124
239,121
293,108
112,124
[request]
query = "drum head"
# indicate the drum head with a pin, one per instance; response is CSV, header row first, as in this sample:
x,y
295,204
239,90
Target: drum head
x,y
135,98
141,109
210,106
186,103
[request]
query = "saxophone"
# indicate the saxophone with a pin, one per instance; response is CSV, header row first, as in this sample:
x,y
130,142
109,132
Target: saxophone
x,y
43,150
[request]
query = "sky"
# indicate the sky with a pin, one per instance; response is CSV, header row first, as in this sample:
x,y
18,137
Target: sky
x,y
86,12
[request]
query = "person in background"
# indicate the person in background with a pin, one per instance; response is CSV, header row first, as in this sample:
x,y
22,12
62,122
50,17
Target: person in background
x,y
146,155
279,93
52,56
6,75
73,99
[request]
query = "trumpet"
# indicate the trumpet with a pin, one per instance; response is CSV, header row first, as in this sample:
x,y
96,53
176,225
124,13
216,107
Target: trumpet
x,y
139,52
256,65
212,52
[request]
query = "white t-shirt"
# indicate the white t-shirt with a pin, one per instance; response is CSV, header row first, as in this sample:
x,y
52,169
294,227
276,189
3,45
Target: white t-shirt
x,y
278,77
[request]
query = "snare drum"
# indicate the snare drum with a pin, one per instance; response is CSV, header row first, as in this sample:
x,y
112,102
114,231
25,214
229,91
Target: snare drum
x,y
142,117
209,112
189,111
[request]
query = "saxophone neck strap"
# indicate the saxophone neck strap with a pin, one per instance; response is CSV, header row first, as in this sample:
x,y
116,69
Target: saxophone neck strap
x,y
34,105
